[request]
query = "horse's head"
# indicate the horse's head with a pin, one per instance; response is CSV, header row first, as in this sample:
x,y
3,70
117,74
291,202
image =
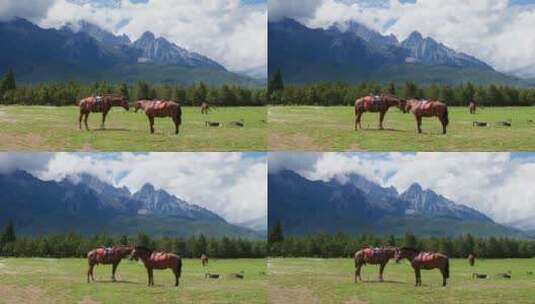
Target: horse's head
x,y
140,252
402,105
118,100
138,105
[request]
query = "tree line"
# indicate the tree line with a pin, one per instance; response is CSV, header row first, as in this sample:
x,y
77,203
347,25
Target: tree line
x,y
344,245
67,93
74,245
340,93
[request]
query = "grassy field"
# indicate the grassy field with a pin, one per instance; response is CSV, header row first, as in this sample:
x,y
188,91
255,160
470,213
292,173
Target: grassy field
x,y
311,128
25,280
40,128
331,281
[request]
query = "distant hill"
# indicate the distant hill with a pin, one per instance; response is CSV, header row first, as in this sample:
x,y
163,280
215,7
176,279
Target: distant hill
x,y
351,52
86,205
360,206
84,52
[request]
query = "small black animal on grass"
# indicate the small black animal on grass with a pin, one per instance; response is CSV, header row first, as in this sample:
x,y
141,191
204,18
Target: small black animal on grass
x,y
237,123
505,123
211,276
212,124
504,275
237,275
476,275
479,124
529,273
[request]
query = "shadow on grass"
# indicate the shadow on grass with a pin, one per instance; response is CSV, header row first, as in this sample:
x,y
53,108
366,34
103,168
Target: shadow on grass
x,y
383,282
116,282
112,129
382,130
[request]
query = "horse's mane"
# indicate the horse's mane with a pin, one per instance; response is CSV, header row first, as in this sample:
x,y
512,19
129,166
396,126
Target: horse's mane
x,y
410,249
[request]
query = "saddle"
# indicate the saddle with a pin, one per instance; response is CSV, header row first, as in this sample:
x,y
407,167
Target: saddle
x,y
159,105
372,101
104,252
425,105
372,252
159,256
425,257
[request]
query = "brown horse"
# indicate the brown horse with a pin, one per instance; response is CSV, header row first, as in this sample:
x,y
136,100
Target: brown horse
x,y
471,259
160,108
204,260
375,256
91,104
371,104
158,260
204,108
102,255
425,260
428,108
472,107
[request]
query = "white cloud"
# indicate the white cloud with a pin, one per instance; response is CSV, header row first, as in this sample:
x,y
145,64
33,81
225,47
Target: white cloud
x,y
492,30
225,30
230,184
493,183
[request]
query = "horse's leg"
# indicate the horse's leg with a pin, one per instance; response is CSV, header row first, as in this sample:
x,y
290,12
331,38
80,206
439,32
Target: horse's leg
x,y
443,277
85,121
175,272
443,122
113,269
176,124
419,123
89,272
151,123
381,269
80,120
103,119
419,276
356,272
381,118
356,120
359,116
149,274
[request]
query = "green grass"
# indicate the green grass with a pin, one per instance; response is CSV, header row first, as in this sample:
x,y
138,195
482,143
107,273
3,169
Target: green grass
x,y
332,129
27,280
39,128
331,281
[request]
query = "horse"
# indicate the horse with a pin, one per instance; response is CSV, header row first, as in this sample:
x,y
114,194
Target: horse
x,y
204,260
160,108
102,255
472,107
428,108
158,260
424,260
372,104
91,104
471,259
204,108
375,256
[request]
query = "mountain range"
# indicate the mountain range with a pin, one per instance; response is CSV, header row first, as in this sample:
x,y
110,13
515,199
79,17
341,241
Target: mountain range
x,y
84,204
357,205
84,52
352,52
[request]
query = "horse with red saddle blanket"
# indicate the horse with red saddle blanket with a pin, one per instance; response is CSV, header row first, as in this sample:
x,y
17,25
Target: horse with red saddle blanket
x,y
99,104
428,108
102,255
158,260
425,260
379,104
374,256
160,108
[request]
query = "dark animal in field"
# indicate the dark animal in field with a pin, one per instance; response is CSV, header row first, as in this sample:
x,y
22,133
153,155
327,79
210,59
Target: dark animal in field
x,y
211,275
205,108
106,256
263,121
160,108
472,107
379,104
237,275
479,124
428,108
529,273
204,260
102,104
158,260
425,260
212,124
237,123
504,275
262,273
476,275
374,256
505,123
531,121
471,259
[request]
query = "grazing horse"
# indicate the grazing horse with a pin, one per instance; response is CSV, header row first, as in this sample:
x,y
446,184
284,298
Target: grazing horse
x,y
204,260
379,104
204,108
158,260
472,107
425,260
471,259
102,255
379,256
91,104
160,108
428,108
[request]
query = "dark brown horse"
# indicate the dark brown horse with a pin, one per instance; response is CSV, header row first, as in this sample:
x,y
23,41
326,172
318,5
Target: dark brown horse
x,y
160,108
379,104
425,260
205,108
204,260
102,255
428,108
472,259
376,256
92,104
472,107
158,260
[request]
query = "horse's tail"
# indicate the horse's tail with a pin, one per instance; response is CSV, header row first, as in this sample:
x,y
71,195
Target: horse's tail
x,y
447,268
446,118
179,115
179,267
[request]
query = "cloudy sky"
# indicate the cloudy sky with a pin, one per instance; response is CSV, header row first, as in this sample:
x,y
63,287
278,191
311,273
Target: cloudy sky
x,y
500,32
231,184
497,184
233,32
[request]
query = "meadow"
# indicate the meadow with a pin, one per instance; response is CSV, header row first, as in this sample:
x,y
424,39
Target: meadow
x,y
43,128
308,280
44,280
314,128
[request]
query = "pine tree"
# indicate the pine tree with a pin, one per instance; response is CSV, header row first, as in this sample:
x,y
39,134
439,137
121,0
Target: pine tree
x,y
275,234
8,83
275,83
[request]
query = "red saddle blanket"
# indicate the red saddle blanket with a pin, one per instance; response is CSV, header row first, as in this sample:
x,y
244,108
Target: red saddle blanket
x,y
425,105
424,257
370,101
104,252
159,257
371,252
158,105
